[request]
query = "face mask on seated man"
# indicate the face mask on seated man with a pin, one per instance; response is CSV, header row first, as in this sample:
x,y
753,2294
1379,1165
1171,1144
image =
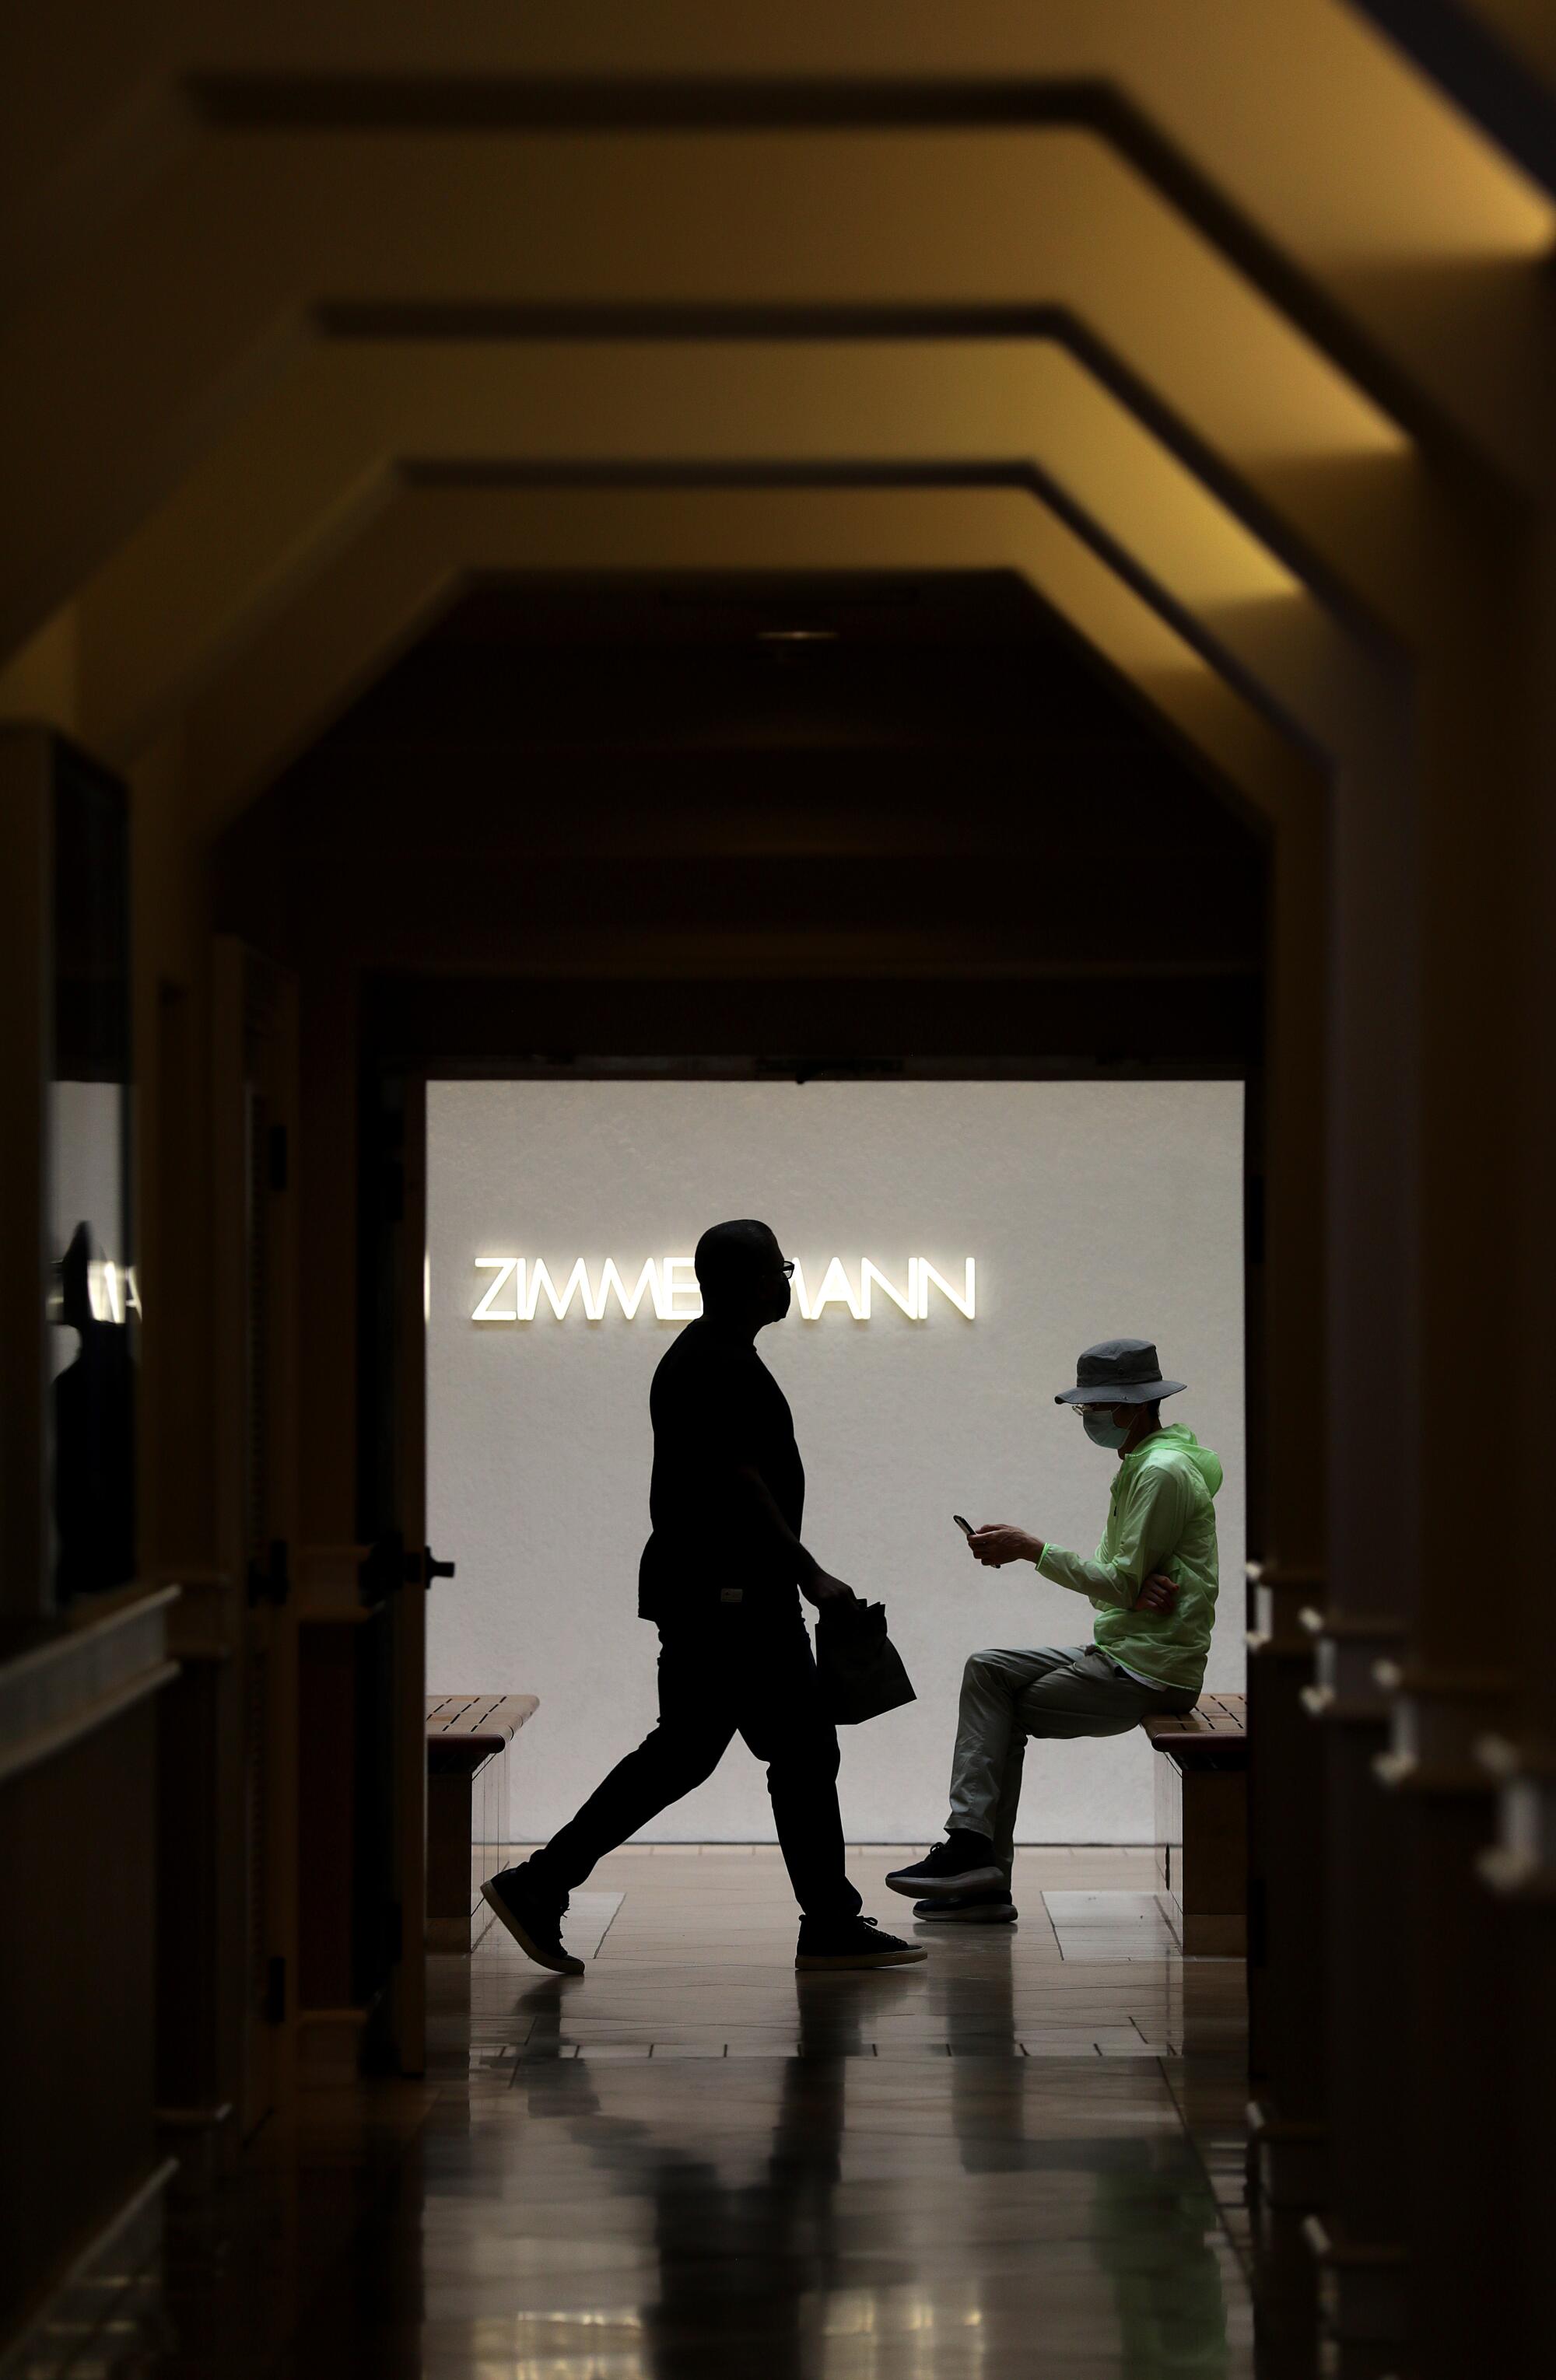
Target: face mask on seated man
x,y
1153,1585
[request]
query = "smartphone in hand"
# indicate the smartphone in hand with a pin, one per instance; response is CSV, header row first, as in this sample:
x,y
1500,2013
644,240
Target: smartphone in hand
x,y
966,1527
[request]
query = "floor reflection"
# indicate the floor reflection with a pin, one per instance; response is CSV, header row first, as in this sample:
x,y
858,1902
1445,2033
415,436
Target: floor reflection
x,y
783,2245
690,2165
734,2254
1158,2233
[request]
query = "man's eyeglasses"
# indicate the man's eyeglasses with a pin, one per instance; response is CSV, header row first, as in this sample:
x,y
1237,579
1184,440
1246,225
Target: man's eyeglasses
x,y
787,1267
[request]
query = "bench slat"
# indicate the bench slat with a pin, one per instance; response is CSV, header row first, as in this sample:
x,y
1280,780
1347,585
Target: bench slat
x,y
497,1717
1217,1724
1201,1821
468,1738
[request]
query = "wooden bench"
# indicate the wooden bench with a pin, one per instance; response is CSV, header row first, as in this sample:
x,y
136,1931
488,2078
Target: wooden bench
x,y
1202,1822
468,1740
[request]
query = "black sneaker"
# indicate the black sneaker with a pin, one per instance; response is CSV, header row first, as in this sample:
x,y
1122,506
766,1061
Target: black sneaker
x,y
851,1942
533,1917
995,1908
963,1862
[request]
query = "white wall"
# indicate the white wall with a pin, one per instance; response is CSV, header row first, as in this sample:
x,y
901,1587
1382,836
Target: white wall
x,y
1092,1209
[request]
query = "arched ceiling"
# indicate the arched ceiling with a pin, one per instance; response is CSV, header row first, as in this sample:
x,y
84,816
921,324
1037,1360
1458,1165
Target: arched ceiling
x,y
254,250
386,586
357,431
1295,120
301,304
794,779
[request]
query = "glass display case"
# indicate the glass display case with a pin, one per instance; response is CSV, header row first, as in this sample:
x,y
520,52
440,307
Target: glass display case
x,y
69,1286
95,1302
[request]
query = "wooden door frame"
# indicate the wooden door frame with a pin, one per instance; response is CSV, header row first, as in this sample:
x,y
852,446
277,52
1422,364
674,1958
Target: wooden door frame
x,y
245,1051
408,1989
1282,1070
390,1527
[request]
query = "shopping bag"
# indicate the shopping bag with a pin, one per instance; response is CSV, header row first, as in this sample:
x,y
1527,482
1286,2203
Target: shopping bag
x,y
860,1669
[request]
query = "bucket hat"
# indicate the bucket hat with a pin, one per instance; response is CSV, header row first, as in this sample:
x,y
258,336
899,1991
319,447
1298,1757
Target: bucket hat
x,y
1118,1372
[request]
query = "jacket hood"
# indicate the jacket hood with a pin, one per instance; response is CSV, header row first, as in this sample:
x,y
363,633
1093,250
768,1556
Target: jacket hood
x,y
1179,1440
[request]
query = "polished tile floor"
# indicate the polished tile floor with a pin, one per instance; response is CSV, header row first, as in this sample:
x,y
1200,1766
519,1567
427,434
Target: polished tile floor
x,y
1022,2158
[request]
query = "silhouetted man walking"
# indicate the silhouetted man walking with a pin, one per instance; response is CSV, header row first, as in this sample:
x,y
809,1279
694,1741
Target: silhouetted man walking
x,y
718,1577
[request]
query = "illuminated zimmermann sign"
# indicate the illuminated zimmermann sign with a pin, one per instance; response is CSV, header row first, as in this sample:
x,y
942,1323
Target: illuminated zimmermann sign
x,y
666,1287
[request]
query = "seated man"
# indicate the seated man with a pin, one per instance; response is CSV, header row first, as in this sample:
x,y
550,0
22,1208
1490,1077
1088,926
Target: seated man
x,y
1153,1585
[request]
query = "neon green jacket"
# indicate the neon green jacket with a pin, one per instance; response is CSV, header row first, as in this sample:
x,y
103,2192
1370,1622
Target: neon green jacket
x,y
1161,1517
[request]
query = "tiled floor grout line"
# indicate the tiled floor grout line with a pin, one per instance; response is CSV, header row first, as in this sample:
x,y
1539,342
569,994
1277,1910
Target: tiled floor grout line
x,y
609,1923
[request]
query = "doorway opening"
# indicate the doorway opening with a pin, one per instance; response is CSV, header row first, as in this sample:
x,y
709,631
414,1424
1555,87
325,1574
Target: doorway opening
x,y
958,1238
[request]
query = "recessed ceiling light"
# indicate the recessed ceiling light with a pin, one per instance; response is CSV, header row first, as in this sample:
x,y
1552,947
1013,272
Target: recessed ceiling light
x,y
797,635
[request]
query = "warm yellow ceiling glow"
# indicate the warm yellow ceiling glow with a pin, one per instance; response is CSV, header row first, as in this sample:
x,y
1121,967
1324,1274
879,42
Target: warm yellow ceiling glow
x,y
1462,199
309,468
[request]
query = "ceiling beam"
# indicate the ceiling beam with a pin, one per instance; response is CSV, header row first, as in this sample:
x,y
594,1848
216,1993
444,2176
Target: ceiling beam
x,y
203,294
1295,128
387,586
1496,62
314,465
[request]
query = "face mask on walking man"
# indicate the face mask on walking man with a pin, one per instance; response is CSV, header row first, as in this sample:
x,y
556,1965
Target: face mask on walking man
x,y
1153,1585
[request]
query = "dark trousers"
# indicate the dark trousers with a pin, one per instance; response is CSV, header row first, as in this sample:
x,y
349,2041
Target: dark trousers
x,y
742,1671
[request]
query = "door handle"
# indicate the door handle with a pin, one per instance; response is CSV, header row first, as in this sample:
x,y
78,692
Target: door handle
x,y
388,1567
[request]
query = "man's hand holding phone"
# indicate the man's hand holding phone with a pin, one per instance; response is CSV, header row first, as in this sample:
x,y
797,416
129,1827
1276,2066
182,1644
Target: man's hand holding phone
x,y
997,1542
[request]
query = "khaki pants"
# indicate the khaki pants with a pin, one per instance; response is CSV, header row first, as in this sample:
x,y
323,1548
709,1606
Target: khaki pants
x,y
1067,1691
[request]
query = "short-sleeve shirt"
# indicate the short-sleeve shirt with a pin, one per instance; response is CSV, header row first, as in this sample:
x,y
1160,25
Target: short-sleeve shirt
x,y
715,1408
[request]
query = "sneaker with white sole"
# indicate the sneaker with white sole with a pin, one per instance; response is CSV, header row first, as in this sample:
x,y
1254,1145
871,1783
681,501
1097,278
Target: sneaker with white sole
x,y
993,1908
963,1862
840,1943
533,1917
